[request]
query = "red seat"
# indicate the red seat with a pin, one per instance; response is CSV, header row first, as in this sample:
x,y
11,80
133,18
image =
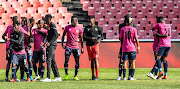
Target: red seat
x,y
31,10
36,4
10,10
148,27
175,21
6,5
32,1
57,4
178,27
144,10
169,3
54,21
159,3
8,22
155,9
5,16
102,10
120,20
112,22
112,10
68,16
148,3
128,4
85,5
162,14
96,4
37,16
140,15
26,4
81,1
47,4
165,9
134,10
21,1
138,4
28,15
101,22
58,16
42,1
53,1
176,10
144,22
1,11
62,22
52,10
15,5
1,1
91,11
11,1
150,15
108,16
62,10
116,28
153,21
98,15
172,15
21,10
1,22
119,15
106,27
117,4
109,34
107,4
16,14
141,33
42,10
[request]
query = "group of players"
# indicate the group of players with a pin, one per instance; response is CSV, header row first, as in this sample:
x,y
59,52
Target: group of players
x,y
18,47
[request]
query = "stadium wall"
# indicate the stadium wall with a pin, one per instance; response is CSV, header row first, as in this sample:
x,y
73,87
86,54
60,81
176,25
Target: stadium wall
x,y
109,56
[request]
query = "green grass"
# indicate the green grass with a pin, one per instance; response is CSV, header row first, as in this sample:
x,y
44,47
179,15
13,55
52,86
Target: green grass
x,y
107,80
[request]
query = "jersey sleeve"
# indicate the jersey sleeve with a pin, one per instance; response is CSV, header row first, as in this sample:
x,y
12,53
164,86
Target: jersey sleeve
x,y
135,33
6,31
156,26
121,33
66,28
22,30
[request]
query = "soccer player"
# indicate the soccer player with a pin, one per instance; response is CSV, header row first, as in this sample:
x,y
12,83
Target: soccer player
x,y
92,35
9,51
18,57
120,51
39,49
51,45
27,45
72,46
164,45
31,20
128,36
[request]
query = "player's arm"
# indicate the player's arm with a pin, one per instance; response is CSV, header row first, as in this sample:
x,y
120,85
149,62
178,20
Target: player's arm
x,y
85,34
4,37
138,46
62,43
159,35
55,35
42,33
100,35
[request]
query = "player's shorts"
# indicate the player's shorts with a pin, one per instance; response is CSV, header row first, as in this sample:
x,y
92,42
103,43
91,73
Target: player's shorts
x,y
39,57
19,59
93,51
9,54
76,52
29,54
129,55
163,51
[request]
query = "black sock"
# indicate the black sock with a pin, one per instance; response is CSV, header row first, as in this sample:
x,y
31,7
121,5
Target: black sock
x,y
132,72
35,69
42,71
76,70
120,68
39,71
124,73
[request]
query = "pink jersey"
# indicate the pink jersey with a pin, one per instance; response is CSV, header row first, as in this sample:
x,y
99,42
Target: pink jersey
x,y
155,43
38,38
20,53
73,34
128,35
9,30
25,36
163,29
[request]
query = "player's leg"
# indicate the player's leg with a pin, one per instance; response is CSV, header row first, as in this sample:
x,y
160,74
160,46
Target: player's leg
x,y
165,63
154,69
8,58
130,70
42,64
35,61
29,59
132,57
95,52
90,55
76,54
23,64
92,69
158,61
125,58
15,62
97,67
67,55
120,64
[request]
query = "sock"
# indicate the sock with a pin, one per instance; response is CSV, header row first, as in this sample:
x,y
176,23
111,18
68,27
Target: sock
x,y
30,69
7,73
92,69
27,72
39,71
22,72
14,72
124,73
159,64
156,70
132,72
42,71
165,67
153,69
120,68
35,69
76,70
66,68
97,72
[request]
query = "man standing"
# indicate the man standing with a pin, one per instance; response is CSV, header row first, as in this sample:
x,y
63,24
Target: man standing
x,y
92,36
72,46
51,45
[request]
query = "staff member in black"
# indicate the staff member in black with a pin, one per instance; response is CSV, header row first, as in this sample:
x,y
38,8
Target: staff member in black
x,y
51,45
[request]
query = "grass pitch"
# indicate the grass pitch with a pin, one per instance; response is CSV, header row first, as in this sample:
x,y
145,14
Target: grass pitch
x,y
107,80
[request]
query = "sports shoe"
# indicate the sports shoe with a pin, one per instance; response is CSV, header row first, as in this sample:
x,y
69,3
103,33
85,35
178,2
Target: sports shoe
x,y
76,78
150,75
119,78
132,78
129,78
165,77
155,77
57,79
6,79
124,78
36,78
31,78
22,79
12,80
28,79
66,77
93,77
160,74
41,79
46,80
17,80
96,78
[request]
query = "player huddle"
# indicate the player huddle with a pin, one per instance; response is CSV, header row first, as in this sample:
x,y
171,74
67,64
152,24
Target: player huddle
x,y
18,38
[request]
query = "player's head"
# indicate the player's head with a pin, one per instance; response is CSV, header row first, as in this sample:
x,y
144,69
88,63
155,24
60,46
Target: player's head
x,y
45,23
31,21
16,25
91,20
128,19
26,21
160,19
48,18
40,24
74,20
15,18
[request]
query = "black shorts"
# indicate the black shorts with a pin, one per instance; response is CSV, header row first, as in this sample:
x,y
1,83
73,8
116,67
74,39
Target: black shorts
x,y
163,51
129,55
9,54
39,57
76,52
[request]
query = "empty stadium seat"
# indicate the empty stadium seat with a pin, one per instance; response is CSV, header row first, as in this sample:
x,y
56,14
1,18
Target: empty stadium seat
x,y
8,22
53,1
32,1
21,10
1,22
85,5
47,4
5,16
101,22
108,16
36,4
57,4
52,10
91,11
138,4
106,27
159,3
31,10
68,16
153,20
1,11
58,16
26,4
62,10
119,15
37,16
62,22
102,10
42,1
15,5
178,27
112,22
10,10
28,15
117,4
107,4
42,10
1,1
21,1
11,1
109,34
16,14
6,5
96,4
112,10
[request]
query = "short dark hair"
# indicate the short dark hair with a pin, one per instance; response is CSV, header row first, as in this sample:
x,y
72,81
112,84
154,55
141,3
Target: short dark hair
x,y
31,20
74,16
14,19
16,23
91,17
48,16
160,19
40,20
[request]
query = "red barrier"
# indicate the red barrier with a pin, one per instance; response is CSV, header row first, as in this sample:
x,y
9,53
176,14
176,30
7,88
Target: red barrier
x,y
109,56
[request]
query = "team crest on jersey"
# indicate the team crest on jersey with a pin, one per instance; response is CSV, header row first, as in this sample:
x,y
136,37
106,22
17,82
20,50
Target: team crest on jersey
x,y
16,36
77,31
96,29
88,29
67,52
